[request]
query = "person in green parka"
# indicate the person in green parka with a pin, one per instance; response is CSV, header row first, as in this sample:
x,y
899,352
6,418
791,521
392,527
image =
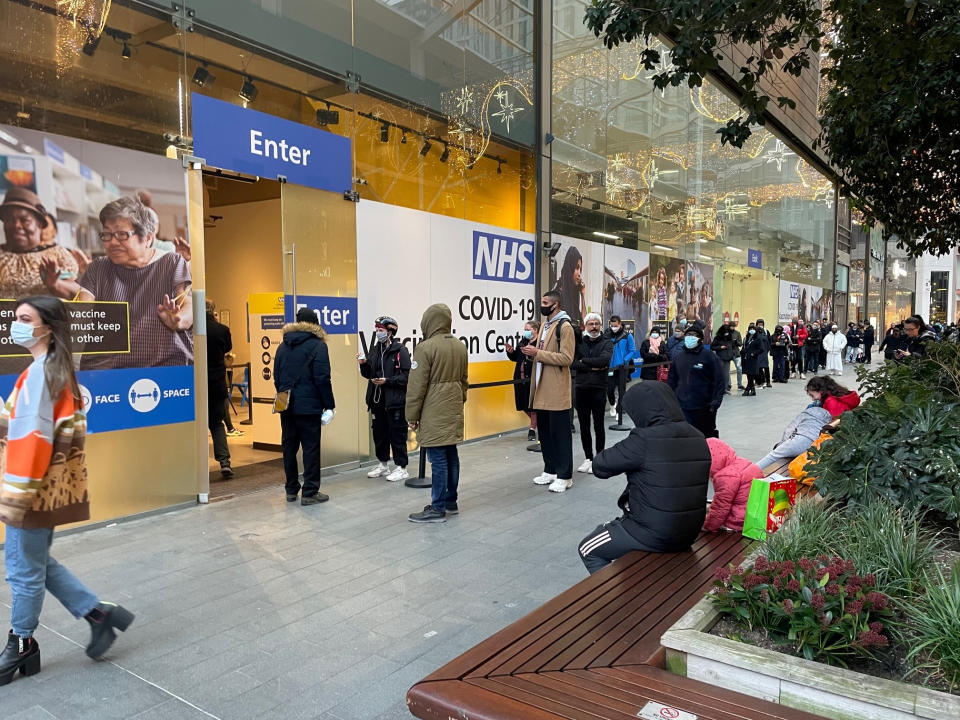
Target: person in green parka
x,y
436,393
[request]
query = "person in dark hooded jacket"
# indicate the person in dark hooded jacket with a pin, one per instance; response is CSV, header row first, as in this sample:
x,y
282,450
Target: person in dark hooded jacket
x,y
302,366
667,464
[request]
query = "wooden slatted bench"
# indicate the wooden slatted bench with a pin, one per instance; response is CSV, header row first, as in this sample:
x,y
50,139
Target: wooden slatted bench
x,y
594,651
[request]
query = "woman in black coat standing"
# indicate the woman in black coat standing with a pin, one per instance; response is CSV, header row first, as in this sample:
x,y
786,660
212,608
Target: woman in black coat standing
x,y
653,351
521,372
753,349
302,367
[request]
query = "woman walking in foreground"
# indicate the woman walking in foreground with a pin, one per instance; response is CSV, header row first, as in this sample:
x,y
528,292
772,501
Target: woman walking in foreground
x,y
42,428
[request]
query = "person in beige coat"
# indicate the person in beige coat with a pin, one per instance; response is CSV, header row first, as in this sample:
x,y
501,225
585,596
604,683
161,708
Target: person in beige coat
x,y
550,393
436,393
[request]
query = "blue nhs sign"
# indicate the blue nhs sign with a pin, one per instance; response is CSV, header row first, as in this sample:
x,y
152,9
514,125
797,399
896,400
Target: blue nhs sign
x,y
501,258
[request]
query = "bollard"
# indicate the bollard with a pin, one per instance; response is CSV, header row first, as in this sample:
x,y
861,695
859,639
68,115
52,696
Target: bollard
x,y
420,481
622,384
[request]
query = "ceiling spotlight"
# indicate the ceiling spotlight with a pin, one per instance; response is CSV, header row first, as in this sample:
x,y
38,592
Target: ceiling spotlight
x,y
426,147
248,91
384,133
125,53
91,44
596,204
403,138
445,155
499,167
202,76
327,116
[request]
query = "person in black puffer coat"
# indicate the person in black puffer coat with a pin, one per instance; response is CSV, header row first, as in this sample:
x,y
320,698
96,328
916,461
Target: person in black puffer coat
x,y
667,463
302,366
697,377
591,364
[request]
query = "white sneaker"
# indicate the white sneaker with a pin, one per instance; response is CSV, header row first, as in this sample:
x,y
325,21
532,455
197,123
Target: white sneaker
x,y
559,485
398,473
613,411
379,471
544,479
586,467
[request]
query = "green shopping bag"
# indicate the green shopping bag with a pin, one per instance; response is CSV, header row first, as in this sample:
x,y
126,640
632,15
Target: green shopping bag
x,y
770,499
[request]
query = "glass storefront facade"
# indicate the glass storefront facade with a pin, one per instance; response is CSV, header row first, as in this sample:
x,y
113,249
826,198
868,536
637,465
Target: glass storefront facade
x,y
440,100
642,168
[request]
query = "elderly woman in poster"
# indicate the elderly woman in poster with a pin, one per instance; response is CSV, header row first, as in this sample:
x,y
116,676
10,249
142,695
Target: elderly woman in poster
x,y
29,264
156,285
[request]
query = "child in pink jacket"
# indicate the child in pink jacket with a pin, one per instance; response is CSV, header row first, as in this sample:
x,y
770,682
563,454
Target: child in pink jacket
x,y
731,476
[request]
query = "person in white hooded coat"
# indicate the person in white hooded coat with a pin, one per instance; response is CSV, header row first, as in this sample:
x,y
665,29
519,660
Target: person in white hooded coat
x,y
834,342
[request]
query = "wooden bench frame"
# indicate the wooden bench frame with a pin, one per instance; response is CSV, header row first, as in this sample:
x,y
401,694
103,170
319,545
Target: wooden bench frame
x,y
594,653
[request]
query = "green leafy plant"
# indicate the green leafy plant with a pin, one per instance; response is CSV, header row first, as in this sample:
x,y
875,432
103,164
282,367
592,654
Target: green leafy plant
x,y
822,607
880,537
812,528
934,623
888,110
904,450
935,376
891,543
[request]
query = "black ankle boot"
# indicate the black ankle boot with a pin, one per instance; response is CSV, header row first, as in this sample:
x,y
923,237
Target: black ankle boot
x,y
103,619
21,654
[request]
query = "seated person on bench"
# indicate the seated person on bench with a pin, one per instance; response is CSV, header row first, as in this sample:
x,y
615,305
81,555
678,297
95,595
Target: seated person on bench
x,y
732,477
667,464
800,434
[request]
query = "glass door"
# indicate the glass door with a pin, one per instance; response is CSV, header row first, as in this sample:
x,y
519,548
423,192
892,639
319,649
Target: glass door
x,y
320,271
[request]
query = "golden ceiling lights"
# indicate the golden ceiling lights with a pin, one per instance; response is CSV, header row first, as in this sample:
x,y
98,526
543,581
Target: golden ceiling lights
x,y
80,23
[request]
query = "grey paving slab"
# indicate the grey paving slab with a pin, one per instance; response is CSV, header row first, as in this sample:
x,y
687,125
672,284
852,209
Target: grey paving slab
x,y
256,608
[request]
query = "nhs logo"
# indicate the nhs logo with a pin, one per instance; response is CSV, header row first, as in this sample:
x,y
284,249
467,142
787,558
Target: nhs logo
x,y
505,259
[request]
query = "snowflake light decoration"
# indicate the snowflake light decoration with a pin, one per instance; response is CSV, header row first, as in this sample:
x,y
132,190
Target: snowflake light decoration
x,y
508,111
464,100
778,154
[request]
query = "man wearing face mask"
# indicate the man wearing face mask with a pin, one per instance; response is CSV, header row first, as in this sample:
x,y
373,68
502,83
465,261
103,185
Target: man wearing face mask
x,y
697,377
834,342
764,371
726,349
550,393
387,368
590,383
624,352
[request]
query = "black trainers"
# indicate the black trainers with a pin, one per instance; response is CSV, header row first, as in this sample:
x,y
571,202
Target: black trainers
x,y
429,515
21,654
452,509
531,435
315,499
103,619
226,472
291,498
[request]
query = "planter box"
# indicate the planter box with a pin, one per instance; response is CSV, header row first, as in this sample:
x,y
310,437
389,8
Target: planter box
x,y
825,690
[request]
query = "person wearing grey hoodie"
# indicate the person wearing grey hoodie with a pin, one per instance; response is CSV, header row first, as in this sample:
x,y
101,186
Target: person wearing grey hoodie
x,y
799,435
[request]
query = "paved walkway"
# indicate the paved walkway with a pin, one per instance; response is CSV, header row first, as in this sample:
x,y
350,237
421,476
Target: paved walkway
x,y
256,608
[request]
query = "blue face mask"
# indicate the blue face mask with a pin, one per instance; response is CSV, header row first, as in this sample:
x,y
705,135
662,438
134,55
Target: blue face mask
x,y
22,334
527,334
654,335
690,341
